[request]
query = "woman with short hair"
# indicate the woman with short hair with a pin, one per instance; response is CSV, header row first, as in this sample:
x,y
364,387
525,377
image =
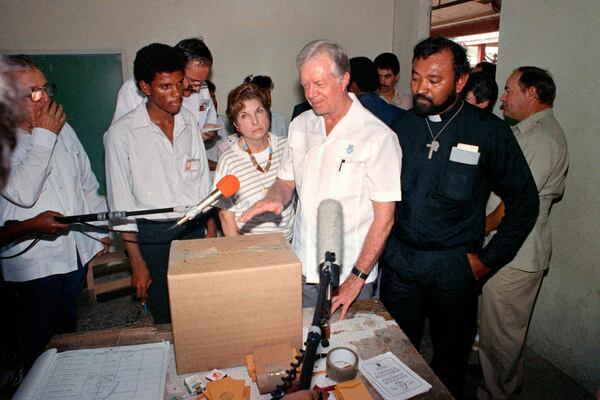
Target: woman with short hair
x,y
254,160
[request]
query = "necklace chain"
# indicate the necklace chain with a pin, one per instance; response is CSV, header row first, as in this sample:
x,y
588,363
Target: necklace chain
x,y
253,159
434,138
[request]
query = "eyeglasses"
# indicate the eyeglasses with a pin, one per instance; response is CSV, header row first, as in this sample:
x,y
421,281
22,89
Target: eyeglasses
x,y
195,85
38,93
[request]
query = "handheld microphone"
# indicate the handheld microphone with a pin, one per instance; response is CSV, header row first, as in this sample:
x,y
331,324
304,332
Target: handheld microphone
x,y
330,231
226,187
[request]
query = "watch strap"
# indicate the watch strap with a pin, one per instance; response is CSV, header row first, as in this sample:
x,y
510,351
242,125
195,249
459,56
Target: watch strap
x,y
359,273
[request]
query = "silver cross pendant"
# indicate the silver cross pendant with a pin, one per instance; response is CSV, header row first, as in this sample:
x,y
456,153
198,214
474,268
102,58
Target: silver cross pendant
x,y
433,146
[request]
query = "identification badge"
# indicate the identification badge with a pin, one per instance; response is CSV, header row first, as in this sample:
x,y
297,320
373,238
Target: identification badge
x,y
192,164
204,105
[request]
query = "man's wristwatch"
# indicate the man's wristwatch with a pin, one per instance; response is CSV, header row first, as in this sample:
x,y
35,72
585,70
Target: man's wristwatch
x,y
359,273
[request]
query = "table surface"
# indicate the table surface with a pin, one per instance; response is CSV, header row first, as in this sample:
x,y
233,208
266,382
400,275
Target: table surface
x,y
369,339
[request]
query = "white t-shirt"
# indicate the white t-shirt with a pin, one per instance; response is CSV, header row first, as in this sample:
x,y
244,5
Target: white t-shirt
x,y
253,187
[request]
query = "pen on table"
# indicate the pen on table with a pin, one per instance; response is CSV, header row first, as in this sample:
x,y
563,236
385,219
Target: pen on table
x,y
341,163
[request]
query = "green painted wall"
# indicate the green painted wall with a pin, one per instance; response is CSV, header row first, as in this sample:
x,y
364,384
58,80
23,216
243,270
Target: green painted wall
x,y
87,89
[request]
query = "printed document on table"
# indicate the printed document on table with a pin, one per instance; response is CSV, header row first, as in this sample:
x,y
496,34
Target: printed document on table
x,y
110,373
392,378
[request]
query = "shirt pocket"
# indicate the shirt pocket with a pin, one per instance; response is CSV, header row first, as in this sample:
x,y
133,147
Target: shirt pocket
x,y
349,172
70,165
459,181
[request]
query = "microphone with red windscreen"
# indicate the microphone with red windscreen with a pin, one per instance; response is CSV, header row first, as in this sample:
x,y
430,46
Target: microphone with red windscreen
x,y
226,187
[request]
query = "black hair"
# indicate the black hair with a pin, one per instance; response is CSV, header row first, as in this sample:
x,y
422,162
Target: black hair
x,y
484,87
388,61
487,68
154,59
211,86
262,81
437,44
195,50
540,79
364,73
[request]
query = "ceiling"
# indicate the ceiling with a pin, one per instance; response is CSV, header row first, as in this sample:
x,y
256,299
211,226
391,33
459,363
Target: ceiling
x,y
464,17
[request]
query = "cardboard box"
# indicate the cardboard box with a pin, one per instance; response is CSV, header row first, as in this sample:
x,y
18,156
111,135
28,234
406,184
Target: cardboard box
x,y
230,295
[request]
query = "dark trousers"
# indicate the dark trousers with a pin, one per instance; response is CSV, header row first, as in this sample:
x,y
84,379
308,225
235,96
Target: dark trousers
x,y
42,308
154,239
438,285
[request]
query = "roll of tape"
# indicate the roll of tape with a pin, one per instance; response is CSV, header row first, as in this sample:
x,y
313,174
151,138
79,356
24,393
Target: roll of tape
x,y
342,364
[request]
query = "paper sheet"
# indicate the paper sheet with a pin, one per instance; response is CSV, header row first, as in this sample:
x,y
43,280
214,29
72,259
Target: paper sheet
x,y
392,378
112,373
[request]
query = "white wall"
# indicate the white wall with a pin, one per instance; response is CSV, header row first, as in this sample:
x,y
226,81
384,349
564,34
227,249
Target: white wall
x,y
258,36
562,36
412,21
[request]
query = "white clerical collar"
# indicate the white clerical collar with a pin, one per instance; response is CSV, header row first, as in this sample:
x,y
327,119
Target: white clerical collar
x,y
435,118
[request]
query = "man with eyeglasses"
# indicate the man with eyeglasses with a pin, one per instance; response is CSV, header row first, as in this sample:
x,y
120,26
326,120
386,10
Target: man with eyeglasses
x,y
196,97
49,170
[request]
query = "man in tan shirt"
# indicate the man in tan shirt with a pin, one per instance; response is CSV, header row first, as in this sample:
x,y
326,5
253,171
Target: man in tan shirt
x,y
527,99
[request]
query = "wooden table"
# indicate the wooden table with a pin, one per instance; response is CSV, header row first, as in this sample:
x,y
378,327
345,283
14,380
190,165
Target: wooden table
x,y
391,338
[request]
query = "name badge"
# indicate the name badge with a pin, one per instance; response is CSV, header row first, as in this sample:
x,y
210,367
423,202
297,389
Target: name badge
x,y
192,164
204,105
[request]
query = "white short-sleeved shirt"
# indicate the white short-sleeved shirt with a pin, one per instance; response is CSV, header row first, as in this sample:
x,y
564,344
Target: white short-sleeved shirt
x,y
144,170
198,103
49,172
358,162
253,187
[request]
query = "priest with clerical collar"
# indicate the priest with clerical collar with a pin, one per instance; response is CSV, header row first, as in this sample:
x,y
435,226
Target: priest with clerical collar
x,y
454,155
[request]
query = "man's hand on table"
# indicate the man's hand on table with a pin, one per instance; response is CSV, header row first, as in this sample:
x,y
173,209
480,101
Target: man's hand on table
x,y
346,294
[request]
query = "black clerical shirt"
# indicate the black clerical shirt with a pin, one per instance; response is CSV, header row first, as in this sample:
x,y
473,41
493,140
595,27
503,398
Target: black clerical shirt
x,y
444,198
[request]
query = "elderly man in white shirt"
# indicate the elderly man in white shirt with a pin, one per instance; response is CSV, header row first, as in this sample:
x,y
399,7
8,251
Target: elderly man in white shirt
x,y
155,158
338,150
49,170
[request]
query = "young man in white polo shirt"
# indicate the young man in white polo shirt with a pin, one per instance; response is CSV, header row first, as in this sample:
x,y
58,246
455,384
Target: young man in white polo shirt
x,y
155,158
337,151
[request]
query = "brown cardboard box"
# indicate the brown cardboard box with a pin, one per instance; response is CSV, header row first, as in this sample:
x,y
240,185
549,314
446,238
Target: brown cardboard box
x,y
230,295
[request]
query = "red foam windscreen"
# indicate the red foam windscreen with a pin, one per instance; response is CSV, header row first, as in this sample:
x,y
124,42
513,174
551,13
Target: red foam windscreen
x,y
228,185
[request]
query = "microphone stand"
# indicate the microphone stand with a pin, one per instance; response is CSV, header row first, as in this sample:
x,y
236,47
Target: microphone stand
x,y
315,335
